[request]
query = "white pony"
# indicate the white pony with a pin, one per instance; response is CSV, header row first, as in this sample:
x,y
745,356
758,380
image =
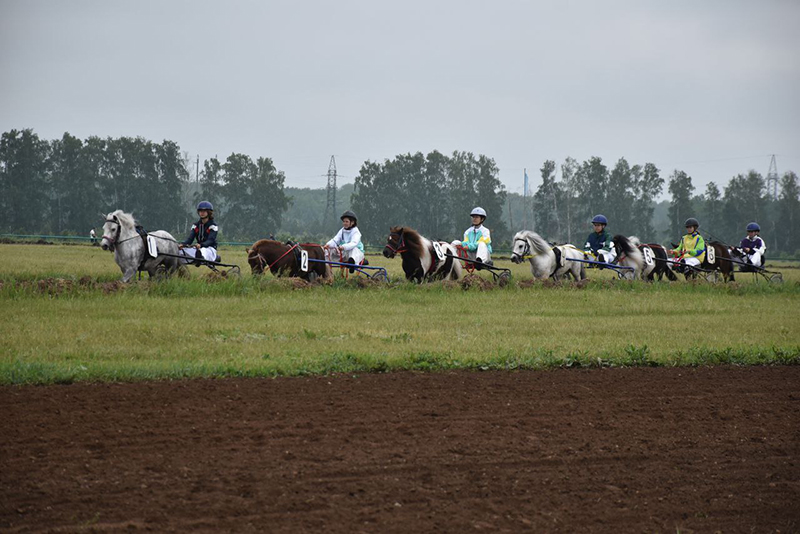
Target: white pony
x,y
120,236
629,254
544,263
648,256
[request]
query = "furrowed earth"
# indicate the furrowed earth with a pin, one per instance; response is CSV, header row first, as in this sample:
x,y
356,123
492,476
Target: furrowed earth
x,y
665,449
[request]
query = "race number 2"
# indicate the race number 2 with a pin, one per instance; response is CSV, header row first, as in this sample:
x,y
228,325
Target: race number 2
x,y
304,261
437,248
710,254
648,256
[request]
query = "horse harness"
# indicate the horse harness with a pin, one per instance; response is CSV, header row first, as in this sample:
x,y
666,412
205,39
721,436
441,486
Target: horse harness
x,y
526,253
114,241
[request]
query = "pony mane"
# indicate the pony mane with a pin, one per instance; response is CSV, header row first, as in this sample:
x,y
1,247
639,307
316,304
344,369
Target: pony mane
x,y
125,219
625,244
411,237
538,242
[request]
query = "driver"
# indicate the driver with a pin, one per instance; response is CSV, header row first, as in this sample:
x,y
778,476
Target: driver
x,y
692,248
753,246
478,239
204,232
346,246
599,244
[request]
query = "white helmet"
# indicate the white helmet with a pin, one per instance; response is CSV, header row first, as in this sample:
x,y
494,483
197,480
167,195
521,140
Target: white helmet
x,y
478,211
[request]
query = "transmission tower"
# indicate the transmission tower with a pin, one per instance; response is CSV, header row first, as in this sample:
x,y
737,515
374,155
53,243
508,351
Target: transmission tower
x,y
772,179
330,209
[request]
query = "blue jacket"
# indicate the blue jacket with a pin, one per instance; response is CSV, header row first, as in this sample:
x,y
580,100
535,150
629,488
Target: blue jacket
x,y
205,234
756,244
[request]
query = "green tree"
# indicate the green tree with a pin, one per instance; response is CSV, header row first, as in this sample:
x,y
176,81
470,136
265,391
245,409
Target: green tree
x,y
569,178
546,203
620,197
713,208
788,226
648,184
744,201
25,199
680,207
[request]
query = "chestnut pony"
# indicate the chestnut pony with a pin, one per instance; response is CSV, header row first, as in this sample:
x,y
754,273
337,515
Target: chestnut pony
x,y
284,260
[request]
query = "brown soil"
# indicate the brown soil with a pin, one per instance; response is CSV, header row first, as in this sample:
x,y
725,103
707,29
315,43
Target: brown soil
x,y
592,451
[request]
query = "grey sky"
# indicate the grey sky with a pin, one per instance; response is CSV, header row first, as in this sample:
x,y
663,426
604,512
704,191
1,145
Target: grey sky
x,y
683,84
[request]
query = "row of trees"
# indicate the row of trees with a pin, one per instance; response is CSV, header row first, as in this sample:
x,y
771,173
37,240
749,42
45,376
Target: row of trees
x,y
724,214
561,208
434,193
63,186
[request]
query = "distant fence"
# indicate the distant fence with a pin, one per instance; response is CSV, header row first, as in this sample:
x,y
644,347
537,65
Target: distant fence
x,y
370,249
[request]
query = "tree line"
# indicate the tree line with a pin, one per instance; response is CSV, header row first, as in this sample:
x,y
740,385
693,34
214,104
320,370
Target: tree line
x,y
63,186
561,208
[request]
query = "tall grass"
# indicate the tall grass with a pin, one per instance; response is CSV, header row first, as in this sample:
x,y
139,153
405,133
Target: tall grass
x,y
87,328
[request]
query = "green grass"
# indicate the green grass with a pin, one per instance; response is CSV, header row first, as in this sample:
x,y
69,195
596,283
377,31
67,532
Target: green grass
x,y
73,331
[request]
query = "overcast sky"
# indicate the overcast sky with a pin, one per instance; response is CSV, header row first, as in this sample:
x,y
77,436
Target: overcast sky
x,y
709,87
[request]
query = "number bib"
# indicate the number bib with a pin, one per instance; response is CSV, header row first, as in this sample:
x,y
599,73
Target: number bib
x,y
648,255
437,248
711,255
304,261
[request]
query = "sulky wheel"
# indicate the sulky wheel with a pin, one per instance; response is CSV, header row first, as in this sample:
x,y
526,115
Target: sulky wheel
x,y
712,277
776,278
503,279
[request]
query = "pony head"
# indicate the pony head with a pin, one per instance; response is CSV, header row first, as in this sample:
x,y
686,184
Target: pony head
x,y
395,243
527,243
115,223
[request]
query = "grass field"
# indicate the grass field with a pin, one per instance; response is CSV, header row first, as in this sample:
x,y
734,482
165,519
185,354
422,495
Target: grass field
x,y
66,321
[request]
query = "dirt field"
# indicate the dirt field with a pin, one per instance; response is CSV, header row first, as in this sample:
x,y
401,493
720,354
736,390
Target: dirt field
x,y
604,450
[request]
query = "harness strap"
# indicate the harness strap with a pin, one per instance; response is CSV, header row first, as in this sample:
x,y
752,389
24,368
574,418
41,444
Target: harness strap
x,y
269,266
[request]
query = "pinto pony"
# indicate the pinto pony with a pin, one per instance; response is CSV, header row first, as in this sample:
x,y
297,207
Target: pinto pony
x,y
661,267
420,261
722,260
544,261
283,260
130,253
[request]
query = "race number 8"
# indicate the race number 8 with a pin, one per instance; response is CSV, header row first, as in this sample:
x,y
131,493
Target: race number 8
x,y
648,256
711,255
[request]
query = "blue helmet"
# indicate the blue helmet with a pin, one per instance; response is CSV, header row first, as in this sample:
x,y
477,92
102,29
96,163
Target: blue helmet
x,y
205,205
599,219
753,227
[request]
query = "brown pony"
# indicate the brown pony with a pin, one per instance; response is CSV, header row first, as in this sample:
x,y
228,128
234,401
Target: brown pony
x,y
722,260
282,260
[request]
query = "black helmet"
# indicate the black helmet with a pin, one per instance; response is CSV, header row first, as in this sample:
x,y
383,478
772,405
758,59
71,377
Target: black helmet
x,y
691,221
349,215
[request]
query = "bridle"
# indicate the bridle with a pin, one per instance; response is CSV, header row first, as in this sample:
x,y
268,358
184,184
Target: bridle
x,y
401,244
114,241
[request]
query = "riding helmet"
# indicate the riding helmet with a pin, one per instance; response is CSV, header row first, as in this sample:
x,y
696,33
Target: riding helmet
x,y
205,205
691,221
599,219
349,215
480,212
753,227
